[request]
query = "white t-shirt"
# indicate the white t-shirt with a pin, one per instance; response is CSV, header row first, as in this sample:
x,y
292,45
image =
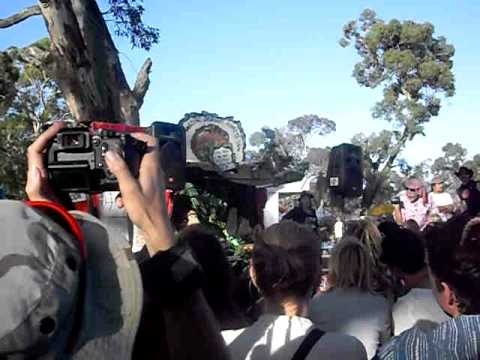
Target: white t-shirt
x,y
279,336
417,308
440,199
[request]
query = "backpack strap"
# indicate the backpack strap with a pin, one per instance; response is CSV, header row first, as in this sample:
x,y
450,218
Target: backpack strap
x,y
307,344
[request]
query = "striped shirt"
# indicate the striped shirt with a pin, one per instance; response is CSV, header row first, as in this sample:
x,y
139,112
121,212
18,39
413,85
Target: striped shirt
x,y
453,339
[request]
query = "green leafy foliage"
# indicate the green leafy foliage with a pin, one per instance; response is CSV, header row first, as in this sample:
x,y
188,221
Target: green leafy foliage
x,y
34,99
211,211
311,124
286,147
15,137
414,69
9,75
126,16
413,66
38,98
454,156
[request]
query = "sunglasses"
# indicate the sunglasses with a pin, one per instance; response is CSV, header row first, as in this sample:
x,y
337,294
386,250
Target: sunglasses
x,y
63,218
414,189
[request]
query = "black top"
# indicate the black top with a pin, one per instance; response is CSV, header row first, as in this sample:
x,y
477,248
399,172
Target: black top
x,y
298,215
168,278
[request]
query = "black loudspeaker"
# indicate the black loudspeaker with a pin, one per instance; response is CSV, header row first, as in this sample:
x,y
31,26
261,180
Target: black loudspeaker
x,y
345,172
173,156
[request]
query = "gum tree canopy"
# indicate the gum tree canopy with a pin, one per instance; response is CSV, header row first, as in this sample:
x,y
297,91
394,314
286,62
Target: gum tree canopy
x,y
83,58
414,68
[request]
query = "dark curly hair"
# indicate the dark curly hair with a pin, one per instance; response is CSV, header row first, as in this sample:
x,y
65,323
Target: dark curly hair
x,y
453,252
286,260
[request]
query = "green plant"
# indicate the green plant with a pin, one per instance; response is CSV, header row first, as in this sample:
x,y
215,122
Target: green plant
x,y
212,211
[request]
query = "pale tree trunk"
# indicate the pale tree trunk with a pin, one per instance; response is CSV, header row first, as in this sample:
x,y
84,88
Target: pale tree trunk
x,y
377,178
85,62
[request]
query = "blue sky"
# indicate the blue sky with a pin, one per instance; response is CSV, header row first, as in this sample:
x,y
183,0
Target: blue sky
x,y
266,62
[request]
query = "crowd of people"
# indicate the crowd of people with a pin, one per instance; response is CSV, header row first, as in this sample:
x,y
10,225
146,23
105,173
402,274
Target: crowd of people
x,y
71,288
418,208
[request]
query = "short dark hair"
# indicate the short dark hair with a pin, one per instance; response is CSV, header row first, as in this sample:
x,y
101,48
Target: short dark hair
x,y
218,284
402,248
287,260
453,251
465,170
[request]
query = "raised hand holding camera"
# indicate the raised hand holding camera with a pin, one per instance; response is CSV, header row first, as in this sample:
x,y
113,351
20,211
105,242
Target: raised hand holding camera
x,y
76,156
144,198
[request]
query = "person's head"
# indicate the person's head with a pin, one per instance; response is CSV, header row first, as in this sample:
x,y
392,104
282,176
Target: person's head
x,y
286,261
464,174
437,184
209,253
453,254
306,200
68,288
369,235
413,187
403,252
350,266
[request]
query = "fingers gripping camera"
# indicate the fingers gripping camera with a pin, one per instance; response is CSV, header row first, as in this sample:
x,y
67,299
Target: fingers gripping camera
x,y
76,158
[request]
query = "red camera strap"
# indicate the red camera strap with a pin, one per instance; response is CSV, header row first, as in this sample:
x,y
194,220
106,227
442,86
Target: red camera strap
x,y
61,216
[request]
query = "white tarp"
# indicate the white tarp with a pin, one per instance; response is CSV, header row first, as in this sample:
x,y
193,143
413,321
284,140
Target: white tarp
x,y
271,214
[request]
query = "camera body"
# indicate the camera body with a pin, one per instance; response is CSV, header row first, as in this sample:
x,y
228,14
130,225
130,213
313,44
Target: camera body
x,y
396,201
75,160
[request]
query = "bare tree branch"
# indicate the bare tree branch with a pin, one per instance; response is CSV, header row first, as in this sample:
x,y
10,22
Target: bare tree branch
x,y
20,16
34,55
143,82
397,148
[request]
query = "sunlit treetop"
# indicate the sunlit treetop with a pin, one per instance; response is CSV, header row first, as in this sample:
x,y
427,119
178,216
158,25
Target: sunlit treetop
x,y
413,66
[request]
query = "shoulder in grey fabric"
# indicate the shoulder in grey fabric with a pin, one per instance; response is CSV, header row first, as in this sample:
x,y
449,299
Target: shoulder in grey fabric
x,y
361,314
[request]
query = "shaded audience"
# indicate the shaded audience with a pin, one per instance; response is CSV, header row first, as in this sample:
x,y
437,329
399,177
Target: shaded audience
x,y
453,252
403,251
285,267
351,305
219,282
468,191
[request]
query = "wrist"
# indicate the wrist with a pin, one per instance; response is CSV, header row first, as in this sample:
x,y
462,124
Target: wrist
x,y
159,237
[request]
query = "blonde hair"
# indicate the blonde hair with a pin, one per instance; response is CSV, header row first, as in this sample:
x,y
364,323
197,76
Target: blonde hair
x,y
351,266
369,235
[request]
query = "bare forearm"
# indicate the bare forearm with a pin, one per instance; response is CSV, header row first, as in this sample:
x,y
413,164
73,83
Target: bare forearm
x,y
159,235
397,215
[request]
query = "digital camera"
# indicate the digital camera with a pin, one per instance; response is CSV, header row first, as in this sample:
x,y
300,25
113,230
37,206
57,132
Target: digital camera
x,y
75,159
